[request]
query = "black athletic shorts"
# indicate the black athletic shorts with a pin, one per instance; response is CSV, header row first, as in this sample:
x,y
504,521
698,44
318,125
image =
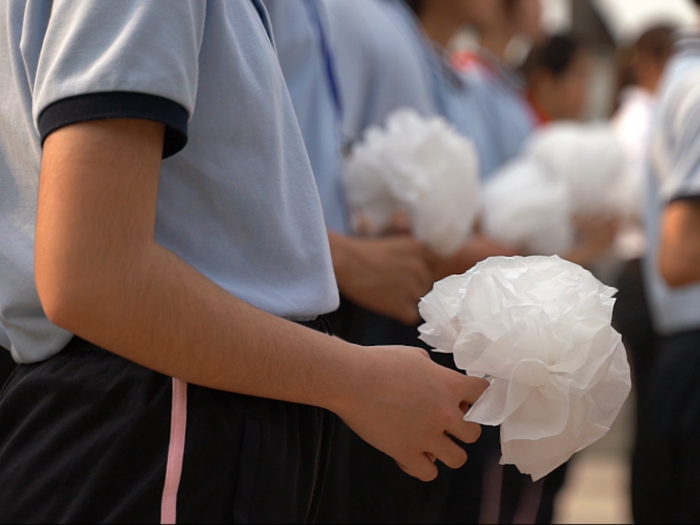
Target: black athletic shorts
x,y
90,437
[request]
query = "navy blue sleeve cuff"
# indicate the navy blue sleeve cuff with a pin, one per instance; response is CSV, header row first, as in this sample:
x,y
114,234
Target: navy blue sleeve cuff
x,y
119,104
692,198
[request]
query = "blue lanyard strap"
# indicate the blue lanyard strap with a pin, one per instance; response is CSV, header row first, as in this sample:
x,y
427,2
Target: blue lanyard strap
x,y
312,9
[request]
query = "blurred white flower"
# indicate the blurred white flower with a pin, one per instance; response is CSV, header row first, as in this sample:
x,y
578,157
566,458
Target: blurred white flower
x,y
589,159
525,208
422,167
539,327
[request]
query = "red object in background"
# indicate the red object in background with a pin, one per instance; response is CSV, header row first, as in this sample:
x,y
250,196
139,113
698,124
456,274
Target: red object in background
x,y
464,61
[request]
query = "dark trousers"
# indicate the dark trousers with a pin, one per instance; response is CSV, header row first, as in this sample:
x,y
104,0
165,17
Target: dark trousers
x,y
666,463
632,319
86,437
7,365
366,486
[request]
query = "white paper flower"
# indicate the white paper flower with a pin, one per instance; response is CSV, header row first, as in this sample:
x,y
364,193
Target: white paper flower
x,y
526,209
539,327
421,167
588,157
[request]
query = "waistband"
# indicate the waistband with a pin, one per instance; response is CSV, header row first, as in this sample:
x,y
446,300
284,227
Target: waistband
x,y
321,324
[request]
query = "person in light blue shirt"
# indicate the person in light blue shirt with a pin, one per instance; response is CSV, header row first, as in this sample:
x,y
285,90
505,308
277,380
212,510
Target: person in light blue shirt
x,y
666,465
484,99
306,60
165,272
378,64
387,275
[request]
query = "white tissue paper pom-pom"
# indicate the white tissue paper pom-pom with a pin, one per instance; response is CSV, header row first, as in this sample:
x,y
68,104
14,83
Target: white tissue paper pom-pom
x,y
589,158
419,166
539,328
526,209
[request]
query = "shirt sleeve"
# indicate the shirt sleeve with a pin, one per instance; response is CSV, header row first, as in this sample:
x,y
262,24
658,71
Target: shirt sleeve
x,y
103,59
682,180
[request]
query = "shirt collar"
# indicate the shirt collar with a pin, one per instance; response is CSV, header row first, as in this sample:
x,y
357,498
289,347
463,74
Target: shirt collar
x,y
500,69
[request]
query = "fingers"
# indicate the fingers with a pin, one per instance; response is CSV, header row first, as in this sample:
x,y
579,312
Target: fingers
x,y
465,432
450,453
471,388
420,467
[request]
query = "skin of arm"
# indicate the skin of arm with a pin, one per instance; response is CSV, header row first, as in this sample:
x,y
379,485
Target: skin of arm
x,y
679,258
387,275
101,275
478,249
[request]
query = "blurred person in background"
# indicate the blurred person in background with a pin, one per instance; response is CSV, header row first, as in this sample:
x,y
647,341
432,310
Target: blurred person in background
x,y
633,124
558,74
509,114
666,465
386,275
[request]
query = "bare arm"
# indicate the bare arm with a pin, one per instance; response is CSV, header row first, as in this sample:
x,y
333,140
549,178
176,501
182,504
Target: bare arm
x,y
101,275
680,246
478,249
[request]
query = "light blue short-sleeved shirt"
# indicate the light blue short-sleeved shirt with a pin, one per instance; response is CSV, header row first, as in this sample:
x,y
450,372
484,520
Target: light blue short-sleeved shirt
x,y
489,105
238,202
308,63
464,100
485,105
674,175
508,113
378,63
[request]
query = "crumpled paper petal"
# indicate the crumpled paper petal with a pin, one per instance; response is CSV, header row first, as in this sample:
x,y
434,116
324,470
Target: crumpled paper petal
x,y
540,329
589,158
422,167
525,208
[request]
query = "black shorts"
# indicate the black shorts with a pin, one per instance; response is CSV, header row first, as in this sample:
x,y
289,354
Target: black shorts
x,y
90,437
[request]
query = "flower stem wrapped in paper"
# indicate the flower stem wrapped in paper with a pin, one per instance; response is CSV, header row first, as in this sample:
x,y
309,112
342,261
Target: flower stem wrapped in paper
x,y
539,329
421,167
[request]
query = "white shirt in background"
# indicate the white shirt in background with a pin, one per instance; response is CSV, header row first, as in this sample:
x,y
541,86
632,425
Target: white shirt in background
x,y
633,124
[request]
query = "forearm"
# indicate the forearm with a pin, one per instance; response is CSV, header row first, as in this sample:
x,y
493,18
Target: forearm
x,y
343,257
679,258
166,316
478,249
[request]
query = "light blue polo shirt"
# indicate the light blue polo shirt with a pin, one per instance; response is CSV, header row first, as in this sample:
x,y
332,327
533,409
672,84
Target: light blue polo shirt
x,y
465,101
378,63
237,198
487,107
509,115
674,175
308,63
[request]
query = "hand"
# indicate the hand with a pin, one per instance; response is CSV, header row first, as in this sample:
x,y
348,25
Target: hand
x,y
408,408
400,224
387,275
596,238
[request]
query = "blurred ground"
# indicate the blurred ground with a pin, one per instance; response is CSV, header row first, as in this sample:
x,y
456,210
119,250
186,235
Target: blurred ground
x,y
597,490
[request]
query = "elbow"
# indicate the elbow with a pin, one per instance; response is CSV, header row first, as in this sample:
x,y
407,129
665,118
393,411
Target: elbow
x,y
64,296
